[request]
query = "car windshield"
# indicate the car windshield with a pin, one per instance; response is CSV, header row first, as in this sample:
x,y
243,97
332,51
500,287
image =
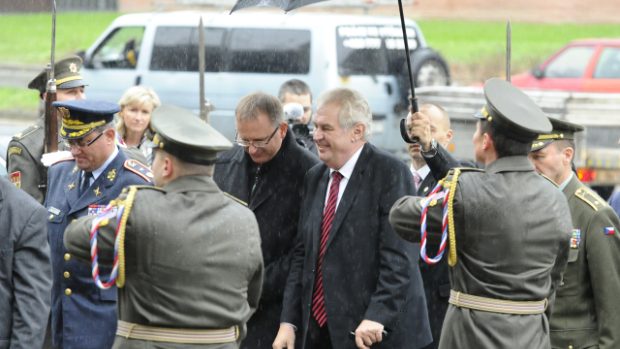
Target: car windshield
x,y
382,45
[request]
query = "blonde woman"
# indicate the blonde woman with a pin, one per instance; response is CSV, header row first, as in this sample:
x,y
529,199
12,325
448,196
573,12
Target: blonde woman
x,y
134,119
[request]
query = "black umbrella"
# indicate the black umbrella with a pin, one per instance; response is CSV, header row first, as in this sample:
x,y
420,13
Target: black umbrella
x,y
288,5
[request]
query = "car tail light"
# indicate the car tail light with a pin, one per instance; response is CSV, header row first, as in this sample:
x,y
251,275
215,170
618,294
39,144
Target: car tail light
x,y
586,175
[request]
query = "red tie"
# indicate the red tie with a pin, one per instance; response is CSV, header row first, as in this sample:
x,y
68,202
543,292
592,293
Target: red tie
x,y
318,300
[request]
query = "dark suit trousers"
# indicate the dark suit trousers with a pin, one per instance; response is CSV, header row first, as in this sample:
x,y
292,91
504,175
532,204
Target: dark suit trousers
x,y
318,338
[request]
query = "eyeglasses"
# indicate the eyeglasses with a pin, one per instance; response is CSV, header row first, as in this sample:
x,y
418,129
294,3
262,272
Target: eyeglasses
x,y
257,144
79,143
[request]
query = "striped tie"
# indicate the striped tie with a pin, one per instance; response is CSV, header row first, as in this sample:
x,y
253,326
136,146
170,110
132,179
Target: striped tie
x,y
318,299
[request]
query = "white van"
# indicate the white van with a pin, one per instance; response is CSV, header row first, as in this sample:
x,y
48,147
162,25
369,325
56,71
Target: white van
x,y
251,51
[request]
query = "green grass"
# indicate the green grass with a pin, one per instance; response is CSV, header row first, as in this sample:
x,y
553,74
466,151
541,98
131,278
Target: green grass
x,y
16,98
471,43
26,38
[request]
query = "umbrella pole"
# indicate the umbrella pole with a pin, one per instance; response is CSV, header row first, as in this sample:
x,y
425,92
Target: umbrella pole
x,y
413,101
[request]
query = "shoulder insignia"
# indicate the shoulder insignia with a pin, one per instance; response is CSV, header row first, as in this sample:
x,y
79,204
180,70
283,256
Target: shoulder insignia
x,y
468,169
140,169
152,187
234,198
16,178
14,151
590,198
31,129
550,180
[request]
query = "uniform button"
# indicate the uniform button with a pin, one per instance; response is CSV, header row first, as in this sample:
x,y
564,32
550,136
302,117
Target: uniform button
x,y
67,256
570,347
51,217
68,292
66,274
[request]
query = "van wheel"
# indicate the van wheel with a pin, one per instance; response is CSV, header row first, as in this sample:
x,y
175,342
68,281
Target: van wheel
x,y
429,69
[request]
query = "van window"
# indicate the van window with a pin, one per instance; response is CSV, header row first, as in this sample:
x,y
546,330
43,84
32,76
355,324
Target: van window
x,y
252,50
372,50
120,49
176,49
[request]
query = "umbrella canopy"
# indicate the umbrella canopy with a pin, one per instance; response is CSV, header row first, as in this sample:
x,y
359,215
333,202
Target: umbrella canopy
x,y
286,5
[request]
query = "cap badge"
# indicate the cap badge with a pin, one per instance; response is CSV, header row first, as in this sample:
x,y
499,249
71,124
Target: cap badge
x,y
73,68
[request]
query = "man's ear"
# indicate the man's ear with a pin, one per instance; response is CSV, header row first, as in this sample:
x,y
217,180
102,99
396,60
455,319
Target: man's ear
x,y
449,135
487,141
568,154
358,131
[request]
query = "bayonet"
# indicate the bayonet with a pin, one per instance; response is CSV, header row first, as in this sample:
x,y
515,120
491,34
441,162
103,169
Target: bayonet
x,y
204,114
508,49
51,120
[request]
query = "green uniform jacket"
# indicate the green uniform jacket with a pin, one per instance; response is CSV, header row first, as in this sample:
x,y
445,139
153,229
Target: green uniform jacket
x,y
587,307
24,161
193,259
512,235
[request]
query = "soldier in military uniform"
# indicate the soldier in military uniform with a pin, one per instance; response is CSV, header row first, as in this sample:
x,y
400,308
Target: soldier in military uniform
x,y
586,312
26,148
192,278
508,231
84,316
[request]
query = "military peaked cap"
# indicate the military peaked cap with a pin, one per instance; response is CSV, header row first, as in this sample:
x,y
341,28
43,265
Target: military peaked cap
x,y
66,73
562,130
181,133
80,117
512,112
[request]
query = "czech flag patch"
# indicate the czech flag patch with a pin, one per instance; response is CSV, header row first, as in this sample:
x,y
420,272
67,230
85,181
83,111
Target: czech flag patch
x,y
609,230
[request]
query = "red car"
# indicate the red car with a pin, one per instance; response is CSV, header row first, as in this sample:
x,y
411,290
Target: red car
x,y
583,66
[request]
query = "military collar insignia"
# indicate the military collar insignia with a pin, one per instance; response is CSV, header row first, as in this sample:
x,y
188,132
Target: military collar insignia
x,y
75,169
575,238
111,175
71,186
97,191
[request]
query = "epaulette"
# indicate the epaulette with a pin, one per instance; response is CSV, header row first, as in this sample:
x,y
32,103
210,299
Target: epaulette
x,y
31,129
452,171
152,187
590,198
550,180
236,199
140,169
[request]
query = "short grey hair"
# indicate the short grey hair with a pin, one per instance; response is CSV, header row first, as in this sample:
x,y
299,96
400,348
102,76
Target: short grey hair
x,y
354,108
251,105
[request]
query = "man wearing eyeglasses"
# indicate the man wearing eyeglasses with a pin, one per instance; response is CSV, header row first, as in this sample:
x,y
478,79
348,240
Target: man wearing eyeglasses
x,y
265,169
84,316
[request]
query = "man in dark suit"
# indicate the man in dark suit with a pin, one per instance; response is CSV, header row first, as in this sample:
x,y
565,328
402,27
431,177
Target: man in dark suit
x,y
25,269
431,123
266,170
84,316
352,282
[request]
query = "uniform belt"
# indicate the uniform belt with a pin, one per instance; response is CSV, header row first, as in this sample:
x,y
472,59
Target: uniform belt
x,y
502,306
176,335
